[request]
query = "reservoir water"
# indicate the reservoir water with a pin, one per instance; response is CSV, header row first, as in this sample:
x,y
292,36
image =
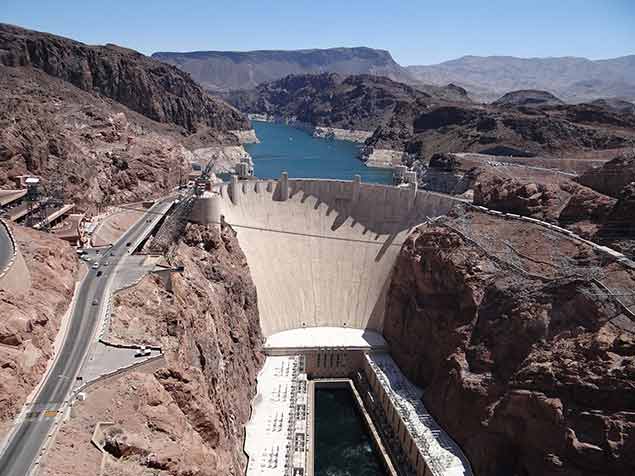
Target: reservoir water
x,y
283,147
342,444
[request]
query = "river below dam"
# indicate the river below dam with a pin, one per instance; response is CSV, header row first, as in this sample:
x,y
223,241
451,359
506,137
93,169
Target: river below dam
x,y
283,147
342,445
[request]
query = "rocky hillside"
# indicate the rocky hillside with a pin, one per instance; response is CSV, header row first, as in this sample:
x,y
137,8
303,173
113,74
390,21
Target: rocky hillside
x,y
103,152
422,123
597,205
573,79
550,129
359,102
228,70
156,90
527,363
112,124
31,317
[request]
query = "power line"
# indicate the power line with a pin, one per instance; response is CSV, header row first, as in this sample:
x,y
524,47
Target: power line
x,y
373,242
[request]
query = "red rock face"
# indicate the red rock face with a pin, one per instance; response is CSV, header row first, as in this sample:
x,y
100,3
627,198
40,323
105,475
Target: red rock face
x,y
531,376
104,152
207,323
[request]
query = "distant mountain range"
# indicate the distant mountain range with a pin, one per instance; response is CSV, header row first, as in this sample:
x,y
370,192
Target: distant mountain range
x,y
486,78
571,79
227,70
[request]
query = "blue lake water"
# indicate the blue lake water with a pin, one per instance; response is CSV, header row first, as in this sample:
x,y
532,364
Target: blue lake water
x,y
283,147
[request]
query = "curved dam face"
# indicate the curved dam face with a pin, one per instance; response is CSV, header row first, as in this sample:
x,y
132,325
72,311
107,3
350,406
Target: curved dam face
x,y
321,252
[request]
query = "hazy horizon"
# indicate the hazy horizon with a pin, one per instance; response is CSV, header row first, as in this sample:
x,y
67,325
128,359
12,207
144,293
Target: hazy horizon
x,y
414,34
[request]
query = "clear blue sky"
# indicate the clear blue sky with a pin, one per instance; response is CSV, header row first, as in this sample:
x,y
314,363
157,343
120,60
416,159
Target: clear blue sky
x,y
415,32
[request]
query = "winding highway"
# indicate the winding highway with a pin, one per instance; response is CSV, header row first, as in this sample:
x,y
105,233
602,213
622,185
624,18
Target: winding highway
x,y
6,248
34,427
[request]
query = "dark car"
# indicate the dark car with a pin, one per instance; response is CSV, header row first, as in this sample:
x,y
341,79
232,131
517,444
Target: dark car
x,y
99,273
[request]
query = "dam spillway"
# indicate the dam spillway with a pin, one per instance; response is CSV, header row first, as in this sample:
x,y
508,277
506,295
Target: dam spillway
x,y
321,252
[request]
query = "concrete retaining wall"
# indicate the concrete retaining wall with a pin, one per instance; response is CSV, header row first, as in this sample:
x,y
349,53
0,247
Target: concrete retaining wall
x,y
323,256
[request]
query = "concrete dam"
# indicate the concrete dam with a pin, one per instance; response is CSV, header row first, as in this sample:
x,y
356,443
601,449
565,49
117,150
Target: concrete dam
x,y
321,251
321,254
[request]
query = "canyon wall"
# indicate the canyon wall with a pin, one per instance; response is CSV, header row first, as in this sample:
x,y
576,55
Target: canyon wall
x,y
524,358
206,322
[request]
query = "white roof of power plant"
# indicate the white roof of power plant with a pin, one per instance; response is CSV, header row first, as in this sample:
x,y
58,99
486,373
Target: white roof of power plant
x,y
275,438
326,337
442,455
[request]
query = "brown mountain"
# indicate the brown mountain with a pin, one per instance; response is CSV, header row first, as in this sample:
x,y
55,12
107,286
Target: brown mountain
x,y
113,124
154,89
228,70
442,119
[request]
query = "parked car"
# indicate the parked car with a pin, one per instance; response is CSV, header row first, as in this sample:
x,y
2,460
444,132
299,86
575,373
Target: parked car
x,y
95,265
99,273
95,302
143,352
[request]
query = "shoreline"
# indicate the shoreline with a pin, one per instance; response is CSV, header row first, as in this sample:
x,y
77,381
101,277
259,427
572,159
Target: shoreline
x,y
371,157
352,135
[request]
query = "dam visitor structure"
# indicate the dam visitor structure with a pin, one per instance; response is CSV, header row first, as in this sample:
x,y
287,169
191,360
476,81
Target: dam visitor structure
x,y
321,254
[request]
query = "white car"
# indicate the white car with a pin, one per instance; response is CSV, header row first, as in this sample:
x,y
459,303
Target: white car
x,y
143,352
95,265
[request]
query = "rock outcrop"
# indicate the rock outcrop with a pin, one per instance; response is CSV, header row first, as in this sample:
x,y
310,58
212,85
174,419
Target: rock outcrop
x,y
159,91
527,98
528,364
612,177
206,321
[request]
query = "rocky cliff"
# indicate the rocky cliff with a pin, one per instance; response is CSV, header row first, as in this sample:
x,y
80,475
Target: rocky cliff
x,y
525,360
206,321
31,317
159,91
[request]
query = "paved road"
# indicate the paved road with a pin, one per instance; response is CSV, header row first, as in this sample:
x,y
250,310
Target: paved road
x,y
6,248
31,433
